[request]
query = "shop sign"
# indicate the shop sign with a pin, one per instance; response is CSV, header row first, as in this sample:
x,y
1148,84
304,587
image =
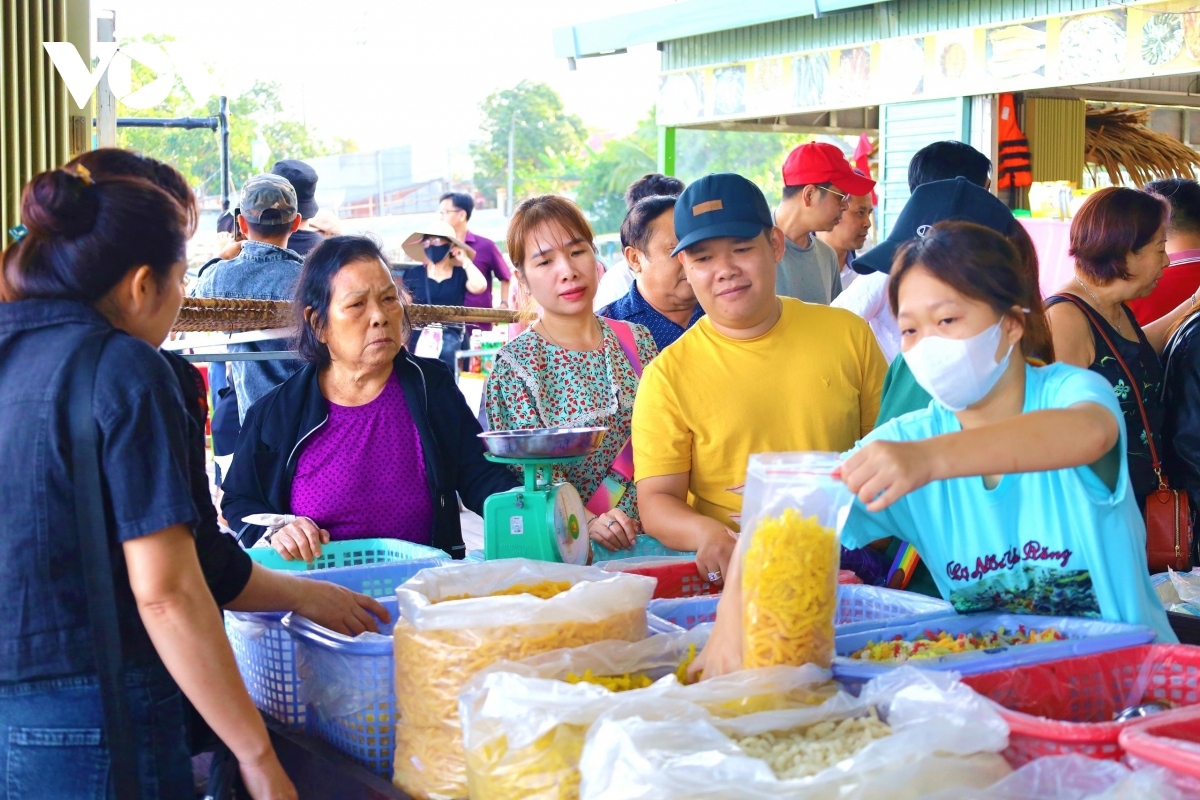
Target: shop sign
x,y
1119,43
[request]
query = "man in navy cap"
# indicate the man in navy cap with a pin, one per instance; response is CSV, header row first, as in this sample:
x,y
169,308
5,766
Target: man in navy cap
x,y
759,373
303,179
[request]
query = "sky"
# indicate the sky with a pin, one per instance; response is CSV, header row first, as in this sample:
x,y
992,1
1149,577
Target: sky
x,y
389,72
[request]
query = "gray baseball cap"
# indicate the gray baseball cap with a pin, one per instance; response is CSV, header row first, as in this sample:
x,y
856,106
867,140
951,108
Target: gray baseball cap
x,y
268,200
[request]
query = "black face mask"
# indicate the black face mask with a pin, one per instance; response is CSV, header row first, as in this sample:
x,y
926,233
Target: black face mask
x,y
436,253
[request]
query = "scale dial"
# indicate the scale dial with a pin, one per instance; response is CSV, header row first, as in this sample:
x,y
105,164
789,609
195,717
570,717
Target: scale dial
x,y
568,523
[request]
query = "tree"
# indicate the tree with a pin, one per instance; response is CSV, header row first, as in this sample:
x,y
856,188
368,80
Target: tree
x,y
197,153
620,162
548,144
757,156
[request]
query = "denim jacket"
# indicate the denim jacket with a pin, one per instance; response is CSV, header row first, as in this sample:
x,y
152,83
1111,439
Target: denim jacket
x,y
260,272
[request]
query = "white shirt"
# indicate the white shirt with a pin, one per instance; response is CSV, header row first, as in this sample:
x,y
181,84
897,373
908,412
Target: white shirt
x,y
867,297
614,285
848,277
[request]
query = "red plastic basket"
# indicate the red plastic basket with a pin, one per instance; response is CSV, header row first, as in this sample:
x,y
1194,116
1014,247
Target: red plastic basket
x,y
1171,741
679,579
1067,706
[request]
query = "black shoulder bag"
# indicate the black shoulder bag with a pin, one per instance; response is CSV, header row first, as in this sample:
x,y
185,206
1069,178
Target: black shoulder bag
x,y
91,523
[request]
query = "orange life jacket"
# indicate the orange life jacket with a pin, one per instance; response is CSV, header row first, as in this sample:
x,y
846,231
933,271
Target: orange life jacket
x,y
1012,167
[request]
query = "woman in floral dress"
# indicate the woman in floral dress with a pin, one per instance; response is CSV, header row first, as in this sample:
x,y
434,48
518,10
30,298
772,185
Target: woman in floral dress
x,y
574,369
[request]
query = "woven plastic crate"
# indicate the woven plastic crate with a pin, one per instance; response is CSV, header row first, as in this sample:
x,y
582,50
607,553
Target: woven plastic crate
x,y
349,553
265,654
349,683
1067,706
677,577
860,608
1170,741
1084,637
643,547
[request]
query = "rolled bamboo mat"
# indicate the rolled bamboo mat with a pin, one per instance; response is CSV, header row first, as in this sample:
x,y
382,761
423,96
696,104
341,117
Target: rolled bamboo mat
x,y
238,316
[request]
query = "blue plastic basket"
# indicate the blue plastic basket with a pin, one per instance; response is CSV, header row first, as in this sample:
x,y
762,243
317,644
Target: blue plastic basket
x,y
1084,637
860,608
265,654
643,546
350,683
349,553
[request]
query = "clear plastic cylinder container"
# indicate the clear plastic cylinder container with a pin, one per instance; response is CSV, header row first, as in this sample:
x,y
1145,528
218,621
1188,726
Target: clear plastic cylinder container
x,y
794,509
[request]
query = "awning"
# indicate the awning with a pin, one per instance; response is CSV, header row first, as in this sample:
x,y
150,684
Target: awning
x,y
680,20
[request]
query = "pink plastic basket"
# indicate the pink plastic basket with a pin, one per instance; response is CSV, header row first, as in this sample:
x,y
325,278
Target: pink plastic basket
x,y
1067,706
1170,741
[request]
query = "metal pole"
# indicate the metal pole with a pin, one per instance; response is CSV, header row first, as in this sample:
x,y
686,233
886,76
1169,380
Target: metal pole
x,y
226,178
512,127
106,103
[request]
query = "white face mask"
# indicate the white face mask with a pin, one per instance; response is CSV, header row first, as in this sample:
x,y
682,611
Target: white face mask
x,y
958,373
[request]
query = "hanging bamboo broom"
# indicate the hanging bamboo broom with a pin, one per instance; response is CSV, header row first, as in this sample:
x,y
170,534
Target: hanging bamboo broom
x,y
1118,140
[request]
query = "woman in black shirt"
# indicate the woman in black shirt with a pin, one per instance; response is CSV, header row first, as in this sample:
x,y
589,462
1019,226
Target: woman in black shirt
x,y
445,277
103,257
1118,240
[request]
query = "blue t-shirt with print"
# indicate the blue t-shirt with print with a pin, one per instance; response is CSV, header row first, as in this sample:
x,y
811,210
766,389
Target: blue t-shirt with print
x,y
1054,543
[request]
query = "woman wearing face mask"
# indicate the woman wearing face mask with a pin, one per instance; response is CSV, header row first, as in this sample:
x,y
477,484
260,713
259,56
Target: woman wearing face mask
x,y
1119,243
573,369
445,277
1013,481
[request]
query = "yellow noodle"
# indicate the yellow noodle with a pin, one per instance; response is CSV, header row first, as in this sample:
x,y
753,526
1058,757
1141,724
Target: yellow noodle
x,y
544,590
433,665
547,769
789,592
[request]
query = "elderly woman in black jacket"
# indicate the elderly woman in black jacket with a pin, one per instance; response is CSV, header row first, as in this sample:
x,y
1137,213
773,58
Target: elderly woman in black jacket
x,y
366,440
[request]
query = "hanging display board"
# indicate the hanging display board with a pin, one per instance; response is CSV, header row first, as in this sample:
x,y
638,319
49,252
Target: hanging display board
x,y
1119,43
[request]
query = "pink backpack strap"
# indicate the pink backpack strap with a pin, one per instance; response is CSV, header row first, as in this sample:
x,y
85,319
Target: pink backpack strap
x,y
628,339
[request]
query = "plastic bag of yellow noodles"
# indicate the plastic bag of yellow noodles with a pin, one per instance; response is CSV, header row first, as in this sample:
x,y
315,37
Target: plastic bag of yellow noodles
x,y
458,619
794,509
909,734
524,722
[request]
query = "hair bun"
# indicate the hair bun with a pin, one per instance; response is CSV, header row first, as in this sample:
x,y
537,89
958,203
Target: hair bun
x,y
60,204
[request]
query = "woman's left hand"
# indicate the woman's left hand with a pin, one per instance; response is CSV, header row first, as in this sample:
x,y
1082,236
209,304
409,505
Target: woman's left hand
x,y
614,529
883,472
462,254
340,609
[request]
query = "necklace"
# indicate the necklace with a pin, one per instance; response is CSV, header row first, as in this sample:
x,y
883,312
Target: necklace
x,y
1099,305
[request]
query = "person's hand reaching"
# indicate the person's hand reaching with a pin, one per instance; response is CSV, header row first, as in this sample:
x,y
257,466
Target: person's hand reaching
x,y
339,609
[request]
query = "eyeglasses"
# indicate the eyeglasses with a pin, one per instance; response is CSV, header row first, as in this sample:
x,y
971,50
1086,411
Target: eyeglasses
x,y
831,190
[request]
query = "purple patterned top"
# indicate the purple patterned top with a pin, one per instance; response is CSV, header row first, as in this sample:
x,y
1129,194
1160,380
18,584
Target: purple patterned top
x,y
362,476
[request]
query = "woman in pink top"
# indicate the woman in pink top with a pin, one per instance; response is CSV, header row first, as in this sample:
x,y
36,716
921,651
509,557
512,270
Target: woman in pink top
x,y
366,440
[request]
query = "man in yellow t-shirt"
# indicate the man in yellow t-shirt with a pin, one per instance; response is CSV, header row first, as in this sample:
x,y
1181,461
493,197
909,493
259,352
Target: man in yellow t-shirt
x,y
759,373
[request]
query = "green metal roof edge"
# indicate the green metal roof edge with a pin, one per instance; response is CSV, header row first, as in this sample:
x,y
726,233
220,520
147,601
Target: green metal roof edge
x,y
683,19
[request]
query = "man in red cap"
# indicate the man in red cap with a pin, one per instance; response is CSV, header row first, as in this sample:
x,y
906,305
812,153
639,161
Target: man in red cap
x,y
818,184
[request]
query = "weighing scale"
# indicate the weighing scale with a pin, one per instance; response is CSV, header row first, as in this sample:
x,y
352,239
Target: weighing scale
x,y
539,520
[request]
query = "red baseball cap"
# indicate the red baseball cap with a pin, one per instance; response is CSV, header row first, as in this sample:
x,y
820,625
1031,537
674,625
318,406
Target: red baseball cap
x,y
817,163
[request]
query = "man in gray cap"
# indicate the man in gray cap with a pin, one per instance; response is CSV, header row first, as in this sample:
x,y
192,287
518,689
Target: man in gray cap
x,y
264,270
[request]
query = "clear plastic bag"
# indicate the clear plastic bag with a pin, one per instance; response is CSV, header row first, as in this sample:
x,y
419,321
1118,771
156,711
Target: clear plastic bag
x,y
440,643
794,508
524,724
943,736
1073,777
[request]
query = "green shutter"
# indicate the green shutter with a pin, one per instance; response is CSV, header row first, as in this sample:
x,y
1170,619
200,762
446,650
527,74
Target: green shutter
x,y
904,128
